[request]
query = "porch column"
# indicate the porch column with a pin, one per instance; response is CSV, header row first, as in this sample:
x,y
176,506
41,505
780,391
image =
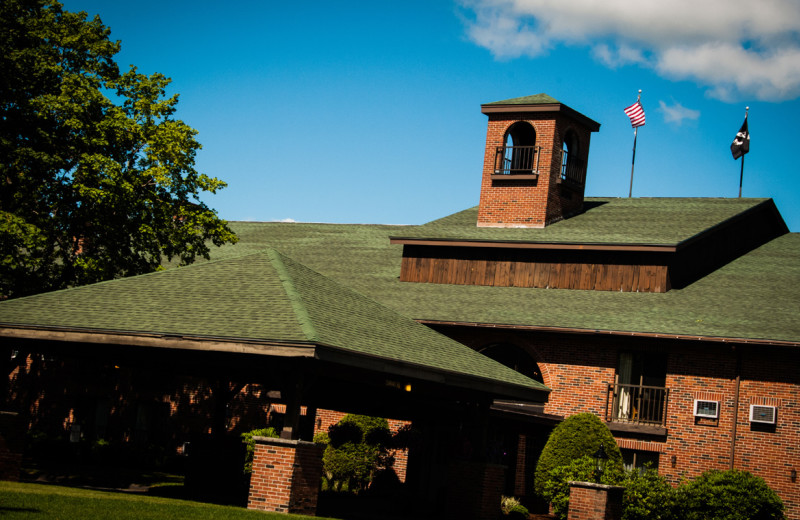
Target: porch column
x,y
286,476
589,501
292,395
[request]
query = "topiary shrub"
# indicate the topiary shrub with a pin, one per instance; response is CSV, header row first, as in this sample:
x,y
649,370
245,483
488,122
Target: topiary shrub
x,y
250,444
577,436
355,451
729,495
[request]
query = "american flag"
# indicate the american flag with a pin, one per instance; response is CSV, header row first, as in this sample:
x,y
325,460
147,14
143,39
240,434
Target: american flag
x,y
636,113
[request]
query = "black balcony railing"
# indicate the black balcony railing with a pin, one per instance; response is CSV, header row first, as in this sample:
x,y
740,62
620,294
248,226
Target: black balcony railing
x,y
573,169
516,160
638,404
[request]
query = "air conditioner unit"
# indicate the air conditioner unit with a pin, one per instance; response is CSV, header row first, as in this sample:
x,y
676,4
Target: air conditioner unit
x,y
763,414
706,409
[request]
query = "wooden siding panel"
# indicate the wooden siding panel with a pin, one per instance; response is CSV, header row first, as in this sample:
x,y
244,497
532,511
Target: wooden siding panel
x,y
513,269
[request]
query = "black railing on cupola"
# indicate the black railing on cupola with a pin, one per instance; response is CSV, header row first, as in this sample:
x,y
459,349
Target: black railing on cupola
x,y
573,169
516,160
524,160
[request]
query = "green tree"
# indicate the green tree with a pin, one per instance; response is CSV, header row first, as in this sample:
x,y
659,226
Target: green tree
x,y
729,495
98,177
577,436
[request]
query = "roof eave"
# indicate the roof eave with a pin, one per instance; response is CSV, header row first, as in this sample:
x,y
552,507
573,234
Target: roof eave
x,y
431,374
640,334
158,340
491,108
661,248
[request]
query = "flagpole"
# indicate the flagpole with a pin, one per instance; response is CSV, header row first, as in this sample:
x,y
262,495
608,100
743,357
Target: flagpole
x,y
741,173
633,159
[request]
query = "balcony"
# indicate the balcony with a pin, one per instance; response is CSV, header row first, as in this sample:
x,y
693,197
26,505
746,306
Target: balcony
x,y
516,162
637,405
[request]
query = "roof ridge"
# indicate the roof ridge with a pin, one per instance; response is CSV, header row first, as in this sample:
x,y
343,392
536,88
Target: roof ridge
x,y
296,299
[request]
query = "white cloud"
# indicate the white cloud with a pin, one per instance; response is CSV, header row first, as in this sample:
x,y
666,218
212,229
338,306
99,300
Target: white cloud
x,y
735,47
283,220
677,113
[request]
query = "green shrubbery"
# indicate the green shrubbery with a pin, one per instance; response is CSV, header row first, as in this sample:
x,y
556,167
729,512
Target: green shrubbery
x,y
728,495
714,495
356,451
648,496
250,444
512,508
578,436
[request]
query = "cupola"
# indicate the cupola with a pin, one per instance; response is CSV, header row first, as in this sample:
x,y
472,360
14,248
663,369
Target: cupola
x,y
534,169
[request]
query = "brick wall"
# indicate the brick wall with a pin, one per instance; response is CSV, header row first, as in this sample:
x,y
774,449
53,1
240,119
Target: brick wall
x,y
286,476
578,369
589,501
529,203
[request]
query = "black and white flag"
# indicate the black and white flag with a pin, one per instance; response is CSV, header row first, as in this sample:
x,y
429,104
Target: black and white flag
x,y
741,143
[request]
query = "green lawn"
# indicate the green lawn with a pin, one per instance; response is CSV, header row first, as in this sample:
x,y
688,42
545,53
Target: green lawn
x,y
35,501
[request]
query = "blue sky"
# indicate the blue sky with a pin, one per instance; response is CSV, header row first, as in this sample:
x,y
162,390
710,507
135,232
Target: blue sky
x,y
369,112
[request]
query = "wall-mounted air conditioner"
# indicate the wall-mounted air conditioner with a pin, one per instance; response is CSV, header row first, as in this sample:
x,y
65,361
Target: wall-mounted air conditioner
x,y
763,414
706,409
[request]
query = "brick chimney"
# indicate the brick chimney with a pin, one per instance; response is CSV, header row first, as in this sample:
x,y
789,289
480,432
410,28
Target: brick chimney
x,y
534,169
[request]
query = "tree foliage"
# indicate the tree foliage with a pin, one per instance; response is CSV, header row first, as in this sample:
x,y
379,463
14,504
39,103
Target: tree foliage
x,y
729,495
98,177
577,436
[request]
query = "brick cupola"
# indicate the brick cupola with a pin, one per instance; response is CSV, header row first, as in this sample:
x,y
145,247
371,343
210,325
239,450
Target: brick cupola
x,y
534,168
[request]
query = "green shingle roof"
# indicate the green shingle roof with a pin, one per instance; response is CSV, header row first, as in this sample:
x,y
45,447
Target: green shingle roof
x,y
752,298
536,99
617,221
258,297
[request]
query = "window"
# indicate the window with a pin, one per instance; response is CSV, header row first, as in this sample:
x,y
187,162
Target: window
x,y
639,459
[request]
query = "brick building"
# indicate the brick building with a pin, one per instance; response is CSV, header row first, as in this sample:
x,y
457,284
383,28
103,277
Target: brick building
x,y
672,319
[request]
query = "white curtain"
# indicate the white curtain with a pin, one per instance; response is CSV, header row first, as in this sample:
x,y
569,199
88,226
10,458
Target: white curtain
x,y
625,373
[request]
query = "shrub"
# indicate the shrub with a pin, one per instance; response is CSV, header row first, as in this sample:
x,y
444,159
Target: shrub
x,y
729,495
578,436
356,450
648,496
250,444
556,486
512,508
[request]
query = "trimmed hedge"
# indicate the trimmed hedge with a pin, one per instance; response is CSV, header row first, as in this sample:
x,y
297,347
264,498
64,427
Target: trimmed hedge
x,y
729,495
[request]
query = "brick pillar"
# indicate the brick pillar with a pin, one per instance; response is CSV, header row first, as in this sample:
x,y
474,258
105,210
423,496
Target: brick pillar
x,y
588,501
474,490
286,476
12,443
